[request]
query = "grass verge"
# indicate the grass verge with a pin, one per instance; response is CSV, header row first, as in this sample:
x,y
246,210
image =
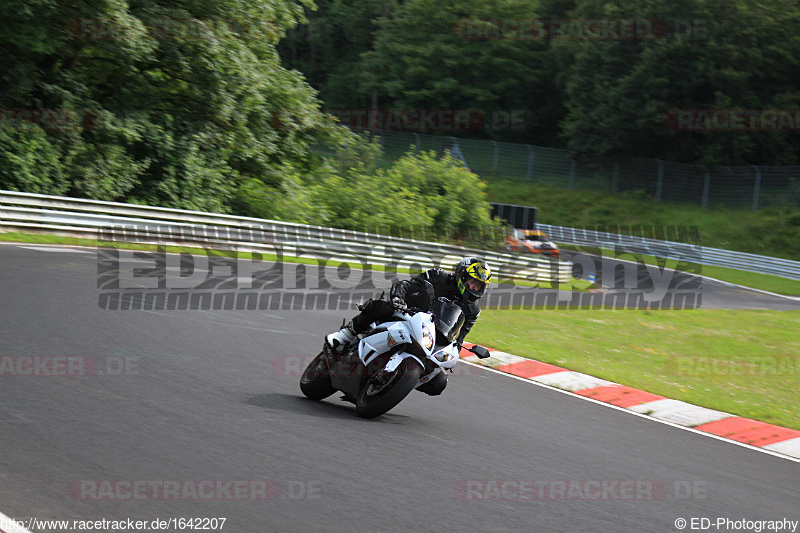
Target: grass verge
x,y
742,362
773,232
776,284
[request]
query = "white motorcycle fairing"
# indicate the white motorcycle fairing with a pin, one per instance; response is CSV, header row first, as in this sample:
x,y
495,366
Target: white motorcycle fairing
x,y
376,373
405,330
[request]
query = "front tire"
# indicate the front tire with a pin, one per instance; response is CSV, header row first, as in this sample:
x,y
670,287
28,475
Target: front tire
x,y
382,392
316,379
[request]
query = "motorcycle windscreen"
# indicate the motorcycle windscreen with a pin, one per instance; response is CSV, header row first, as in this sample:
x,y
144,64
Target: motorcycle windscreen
x,y
448,319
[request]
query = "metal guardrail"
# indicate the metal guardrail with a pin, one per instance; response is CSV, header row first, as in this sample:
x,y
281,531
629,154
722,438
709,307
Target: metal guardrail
x,y
690,253
113,221
118,222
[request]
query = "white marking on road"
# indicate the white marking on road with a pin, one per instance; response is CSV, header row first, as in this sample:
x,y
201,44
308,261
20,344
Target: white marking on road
x,y
791,446
56,249
706,278
502,358
679,412
572,381
7,525
795,298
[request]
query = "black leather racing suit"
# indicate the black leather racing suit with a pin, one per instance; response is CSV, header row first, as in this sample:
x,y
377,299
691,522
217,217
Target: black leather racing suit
x,y
413,292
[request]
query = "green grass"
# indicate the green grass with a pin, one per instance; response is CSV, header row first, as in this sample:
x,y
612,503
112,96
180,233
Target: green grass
x,y
696,356
764,282
773,232
770,232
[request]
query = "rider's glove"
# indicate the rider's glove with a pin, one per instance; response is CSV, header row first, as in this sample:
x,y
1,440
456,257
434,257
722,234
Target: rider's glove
x,y
399,303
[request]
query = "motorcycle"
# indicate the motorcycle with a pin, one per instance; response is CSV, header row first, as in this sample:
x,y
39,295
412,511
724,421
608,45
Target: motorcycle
x,y
391,359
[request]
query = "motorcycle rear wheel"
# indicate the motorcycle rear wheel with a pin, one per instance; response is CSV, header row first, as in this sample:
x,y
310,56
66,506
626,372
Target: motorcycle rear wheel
x,y
316,379
382,392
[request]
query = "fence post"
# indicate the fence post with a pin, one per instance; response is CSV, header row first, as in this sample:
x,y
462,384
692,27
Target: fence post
x,y
531,157
455,151
706,188
756,188
572,174
416,142
615,177
660,182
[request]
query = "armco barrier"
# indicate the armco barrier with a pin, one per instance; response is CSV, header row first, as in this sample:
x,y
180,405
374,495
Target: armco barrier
x,y
26,211
691,253
144,224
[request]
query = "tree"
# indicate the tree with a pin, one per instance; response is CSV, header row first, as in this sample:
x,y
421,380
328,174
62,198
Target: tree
x,y
466,55
735,54
186,101
327,50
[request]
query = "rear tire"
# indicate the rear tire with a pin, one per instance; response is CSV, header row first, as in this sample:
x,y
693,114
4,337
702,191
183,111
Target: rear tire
x,y
316,379
380,395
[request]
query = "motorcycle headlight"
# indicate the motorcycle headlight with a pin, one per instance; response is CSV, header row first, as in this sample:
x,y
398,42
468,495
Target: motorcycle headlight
x,y
427,339
443,356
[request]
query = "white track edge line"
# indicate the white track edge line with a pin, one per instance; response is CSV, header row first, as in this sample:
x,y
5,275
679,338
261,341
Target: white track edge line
x,y
624,410
6,523
795,298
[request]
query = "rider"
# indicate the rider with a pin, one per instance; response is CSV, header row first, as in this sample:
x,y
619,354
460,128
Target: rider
x,y
464,287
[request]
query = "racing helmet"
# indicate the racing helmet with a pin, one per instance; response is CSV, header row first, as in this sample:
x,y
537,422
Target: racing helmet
x,y
473,268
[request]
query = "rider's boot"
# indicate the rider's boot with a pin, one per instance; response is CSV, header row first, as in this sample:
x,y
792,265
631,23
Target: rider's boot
x,y
339,341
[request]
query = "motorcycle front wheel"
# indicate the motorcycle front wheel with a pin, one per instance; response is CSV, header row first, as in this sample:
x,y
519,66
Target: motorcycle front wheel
x,y
316,379
385,390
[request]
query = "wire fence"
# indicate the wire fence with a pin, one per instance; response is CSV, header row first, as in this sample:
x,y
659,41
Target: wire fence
x,y
733,187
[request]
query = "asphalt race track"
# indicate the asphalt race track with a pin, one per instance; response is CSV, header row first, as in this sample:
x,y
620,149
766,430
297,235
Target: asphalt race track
x,y
210,398
626,277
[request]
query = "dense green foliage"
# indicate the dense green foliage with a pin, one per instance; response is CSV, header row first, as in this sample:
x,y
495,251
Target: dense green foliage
x,y
180,102
189,104
185,104
740,54
599,97
425,192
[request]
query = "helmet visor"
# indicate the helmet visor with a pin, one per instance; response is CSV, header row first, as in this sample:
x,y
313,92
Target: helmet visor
x,y
469,294
476,286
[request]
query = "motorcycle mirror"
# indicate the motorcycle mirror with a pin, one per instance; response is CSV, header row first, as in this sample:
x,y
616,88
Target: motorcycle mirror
x,y
480,351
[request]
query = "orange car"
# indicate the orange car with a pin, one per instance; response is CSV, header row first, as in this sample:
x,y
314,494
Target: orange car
x,y
531,241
